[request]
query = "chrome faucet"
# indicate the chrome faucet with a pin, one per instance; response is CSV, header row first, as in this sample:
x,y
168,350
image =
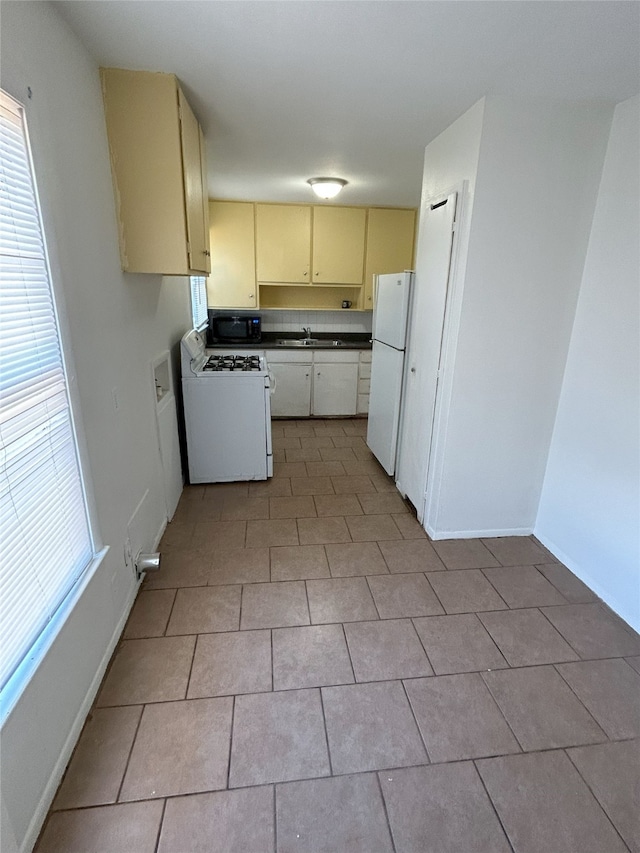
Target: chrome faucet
x,y
307,331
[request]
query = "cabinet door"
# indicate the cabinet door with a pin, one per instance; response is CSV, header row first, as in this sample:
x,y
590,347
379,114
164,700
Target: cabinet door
x,y
335,389
390,238
283,243
338,245
232,282
292,397
204,175
141,110
197,238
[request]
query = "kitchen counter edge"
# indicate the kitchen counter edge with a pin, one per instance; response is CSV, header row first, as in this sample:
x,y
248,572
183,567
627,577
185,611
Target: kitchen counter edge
x,y
350,340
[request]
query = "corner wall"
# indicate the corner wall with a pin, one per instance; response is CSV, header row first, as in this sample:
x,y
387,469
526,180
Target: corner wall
x,y
589,512
538,173
114,325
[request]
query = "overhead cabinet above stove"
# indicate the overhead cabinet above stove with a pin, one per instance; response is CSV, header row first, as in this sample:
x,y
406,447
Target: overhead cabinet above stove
x,y
299,244
274,255
159,173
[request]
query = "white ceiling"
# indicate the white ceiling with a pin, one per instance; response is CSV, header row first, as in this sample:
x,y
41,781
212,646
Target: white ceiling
x,y
289,90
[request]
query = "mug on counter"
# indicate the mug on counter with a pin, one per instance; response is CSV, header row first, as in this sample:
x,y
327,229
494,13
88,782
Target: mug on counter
x,y
346,303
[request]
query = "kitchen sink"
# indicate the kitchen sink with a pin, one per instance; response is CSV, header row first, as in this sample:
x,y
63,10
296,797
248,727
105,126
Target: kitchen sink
x,y
307,342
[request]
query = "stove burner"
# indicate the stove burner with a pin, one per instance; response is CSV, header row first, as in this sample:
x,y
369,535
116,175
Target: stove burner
x,y
232,362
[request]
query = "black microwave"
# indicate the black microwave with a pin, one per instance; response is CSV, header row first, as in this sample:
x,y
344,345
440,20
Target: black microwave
x,y
233,328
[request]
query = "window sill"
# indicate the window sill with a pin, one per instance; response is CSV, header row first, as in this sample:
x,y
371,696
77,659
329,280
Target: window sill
x,y
17,684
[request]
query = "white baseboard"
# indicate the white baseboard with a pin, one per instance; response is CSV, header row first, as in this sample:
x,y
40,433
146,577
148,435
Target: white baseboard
x,y
160,534
593,585
38,819
476,534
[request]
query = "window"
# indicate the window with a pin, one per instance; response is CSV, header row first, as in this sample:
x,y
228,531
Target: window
x,y
199,301
45,538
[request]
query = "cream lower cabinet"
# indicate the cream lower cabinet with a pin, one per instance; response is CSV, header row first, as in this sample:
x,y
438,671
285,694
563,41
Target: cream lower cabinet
x,y
364,381
335,383
292,372
315,383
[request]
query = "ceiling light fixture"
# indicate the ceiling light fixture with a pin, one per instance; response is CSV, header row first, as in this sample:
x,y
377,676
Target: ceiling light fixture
x,y
326,187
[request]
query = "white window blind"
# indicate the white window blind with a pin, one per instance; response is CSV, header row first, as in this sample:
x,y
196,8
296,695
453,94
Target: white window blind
x,y
45,539
199,301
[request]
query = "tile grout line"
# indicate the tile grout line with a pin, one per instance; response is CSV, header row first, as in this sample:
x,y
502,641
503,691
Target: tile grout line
x,y
415,719
326,732
193,657
160,826
386,812
445,612
592,792
373,598
306,593
173,604
555,586
273,677
561,634
555,667
128,761
233,717
275,818
422,644
493,805
346,642
523,751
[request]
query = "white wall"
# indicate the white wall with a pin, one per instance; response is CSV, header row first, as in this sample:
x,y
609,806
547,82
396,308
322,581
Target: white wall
x,y
537,180
451,160
116,325
279,320
589,511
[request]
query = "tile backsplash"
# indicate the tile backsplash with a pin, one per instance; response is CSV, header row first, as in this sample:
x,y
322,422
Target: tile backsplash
x,y
319,321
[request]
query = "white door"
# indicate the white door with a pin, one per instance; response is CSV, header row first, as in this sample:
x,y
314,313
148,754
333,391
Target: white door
x,y
390,314
384,404
292,396
170,453
431,284
335,388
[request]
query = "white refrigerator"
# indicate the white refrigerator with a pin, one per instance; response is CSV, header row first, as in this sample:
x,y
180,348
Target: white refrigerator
x,y
390,322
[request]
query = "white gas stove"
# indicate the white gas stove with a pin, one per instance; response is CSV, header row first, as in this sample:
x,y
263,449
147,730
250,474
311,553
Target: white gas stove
x,y
227,412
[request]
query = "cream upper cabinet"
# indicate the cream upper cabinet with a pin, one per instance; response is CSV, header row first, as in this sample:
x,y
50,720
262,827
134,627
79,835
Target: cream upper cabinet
x,y
390,239
232,283
338,244
283,241
157,163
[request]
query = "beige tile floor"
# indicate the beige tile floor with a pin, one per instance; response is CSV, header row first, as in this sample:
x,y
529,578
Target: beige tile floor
x,y
308,672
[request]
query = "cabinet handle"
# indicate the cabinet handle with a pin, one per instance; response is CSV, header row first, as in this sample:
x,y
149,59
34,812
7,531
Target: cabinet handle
x,y
305,273
251,296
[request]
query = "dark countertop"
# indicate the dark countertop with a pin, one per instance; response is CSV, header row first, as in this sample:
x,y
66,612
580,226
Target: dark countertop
x,y
350,340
